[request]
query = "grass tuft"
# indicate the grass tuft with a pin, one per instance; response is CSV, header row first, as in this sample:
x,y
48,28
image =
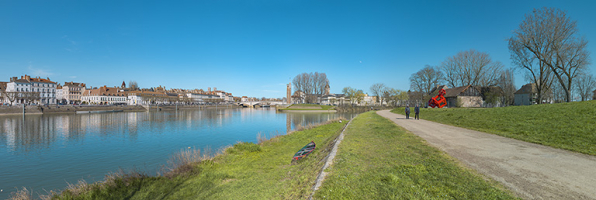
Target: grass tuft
x,y
182,162
23,194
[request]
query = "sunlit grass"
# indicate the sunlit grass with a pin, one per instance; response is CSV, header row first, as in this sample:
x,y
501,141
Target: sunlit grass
x,y
379,160
570,126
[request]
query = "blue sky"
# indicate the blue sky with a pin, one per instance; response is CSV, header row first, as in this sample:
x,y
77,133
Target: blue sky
x,y
255,47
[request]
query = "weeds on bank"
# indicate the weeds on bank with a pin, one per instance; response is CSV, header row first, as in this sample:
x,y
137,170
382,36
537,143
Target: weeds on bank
x,y
254,171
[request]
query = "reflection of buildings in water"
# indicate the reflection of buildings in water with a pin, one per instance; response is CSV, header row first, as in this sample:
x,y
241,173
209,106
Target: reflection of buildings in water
x,y
288,123
132,122
63,125
28,133
10,132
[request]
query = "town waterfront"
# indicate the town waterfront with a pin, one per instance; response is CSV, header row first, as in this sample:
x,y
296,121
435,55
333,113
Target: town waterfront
x,y
46,152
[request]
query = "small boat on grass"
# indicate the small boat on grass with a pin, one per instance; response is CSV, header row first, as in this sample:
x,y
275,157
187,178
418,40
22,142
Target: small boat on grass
x,y
310,147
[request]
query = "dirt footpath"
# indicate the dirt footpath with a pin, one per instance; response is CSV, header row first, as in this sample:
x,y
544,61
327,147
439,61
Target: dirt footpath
x,y
532,171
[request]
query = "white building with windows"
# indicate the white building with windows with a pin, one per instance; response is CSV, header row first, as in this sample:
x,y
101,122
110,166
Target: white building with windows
x,y
104,96
32,90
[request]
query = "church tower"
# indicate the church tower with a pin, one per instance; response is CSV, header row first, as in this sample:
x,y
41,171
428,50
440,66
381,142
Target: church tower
x,y
289,94
327,89
123,85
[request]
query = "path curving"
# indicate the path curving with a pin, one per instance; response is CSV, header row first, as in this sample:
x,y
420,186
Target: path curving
x,y
532,171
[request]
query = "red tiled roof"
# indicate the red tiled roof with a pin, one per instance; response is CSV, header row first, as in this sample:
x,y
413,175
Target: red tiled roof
x,y
104,91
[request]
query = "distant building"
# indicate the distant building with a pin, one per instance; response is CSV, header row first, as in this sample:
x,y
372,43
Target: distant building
x,y
32,90
146,97
368,100
59,95
333,99
104,96
72,92
465,96
528,95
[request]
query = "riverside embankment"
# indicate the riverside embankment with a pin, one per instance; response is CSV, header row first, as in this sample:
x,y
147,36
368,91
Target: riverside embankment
x,y
46,151
59,109
376,159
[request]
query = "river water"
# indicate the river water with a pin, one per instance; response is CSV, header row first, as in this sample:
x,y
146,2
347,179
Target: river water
x,y
46,152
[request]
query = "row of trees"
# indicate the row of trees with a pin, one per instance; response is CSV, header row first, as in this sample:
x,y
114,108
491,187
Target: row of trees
x,y
465,68
310,85
25,97
385,95
545,48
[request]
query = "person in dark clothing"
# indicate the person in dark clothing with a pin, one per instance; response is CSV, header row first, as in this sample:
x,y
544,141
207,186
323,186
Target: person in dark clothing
x,y
407,112
417,111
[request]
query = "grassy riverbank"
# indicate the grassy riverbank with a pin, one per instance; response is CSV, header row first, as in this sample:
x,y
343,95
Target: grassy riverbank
x,y
380,160
568,126
244,171
376,159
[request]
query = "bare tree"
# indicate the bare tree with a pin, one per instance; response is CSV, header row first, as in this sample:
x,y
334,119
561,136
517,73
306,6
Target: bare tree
x,y
378,90
312,84
551,37
584,85
11,96
535,71
133,85
471,68
30,97
507,84
425,80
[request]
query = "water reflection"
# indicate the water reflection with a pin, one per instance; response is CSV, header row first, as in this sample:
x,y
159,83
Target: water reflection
x,y
46,151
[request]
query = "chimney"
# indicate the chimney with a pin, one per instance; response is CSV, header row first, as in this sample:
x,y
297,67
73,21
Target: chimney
x,y
209,89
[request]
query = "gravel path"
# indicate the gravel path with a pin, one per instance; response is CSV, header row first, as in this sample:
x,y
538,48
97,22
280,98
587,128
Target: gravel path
x,y
530,170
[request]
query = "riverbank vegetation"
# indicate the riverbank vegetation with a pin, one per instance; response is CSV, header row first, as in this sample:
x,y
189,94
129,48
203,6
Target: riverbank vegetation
x,y
243,171
380,160
564,125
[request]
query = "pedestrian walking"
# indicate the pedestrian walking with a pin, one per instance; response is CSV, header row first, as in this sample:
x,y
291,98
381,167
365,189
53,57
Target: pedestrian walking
x,y
407,112
417,111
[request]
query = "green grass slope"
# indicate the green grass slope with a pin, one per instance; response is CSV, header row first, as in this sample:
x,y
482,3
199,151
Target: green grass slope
x,y
570,126
380,160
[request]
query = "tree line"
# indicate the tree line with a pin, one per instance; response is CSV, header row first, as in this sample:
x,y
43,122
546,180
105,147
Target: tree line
x,y
546,49
308,85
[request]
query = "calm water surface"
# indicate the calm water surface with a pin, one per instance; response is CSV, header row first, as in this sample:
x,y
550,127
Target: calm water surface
x,y
45,152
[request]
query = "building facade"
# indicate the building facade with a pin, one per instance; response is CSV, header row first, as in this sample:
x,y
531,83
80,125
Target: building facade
x,y
465,96
528,95
72,92
29,90
104,96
